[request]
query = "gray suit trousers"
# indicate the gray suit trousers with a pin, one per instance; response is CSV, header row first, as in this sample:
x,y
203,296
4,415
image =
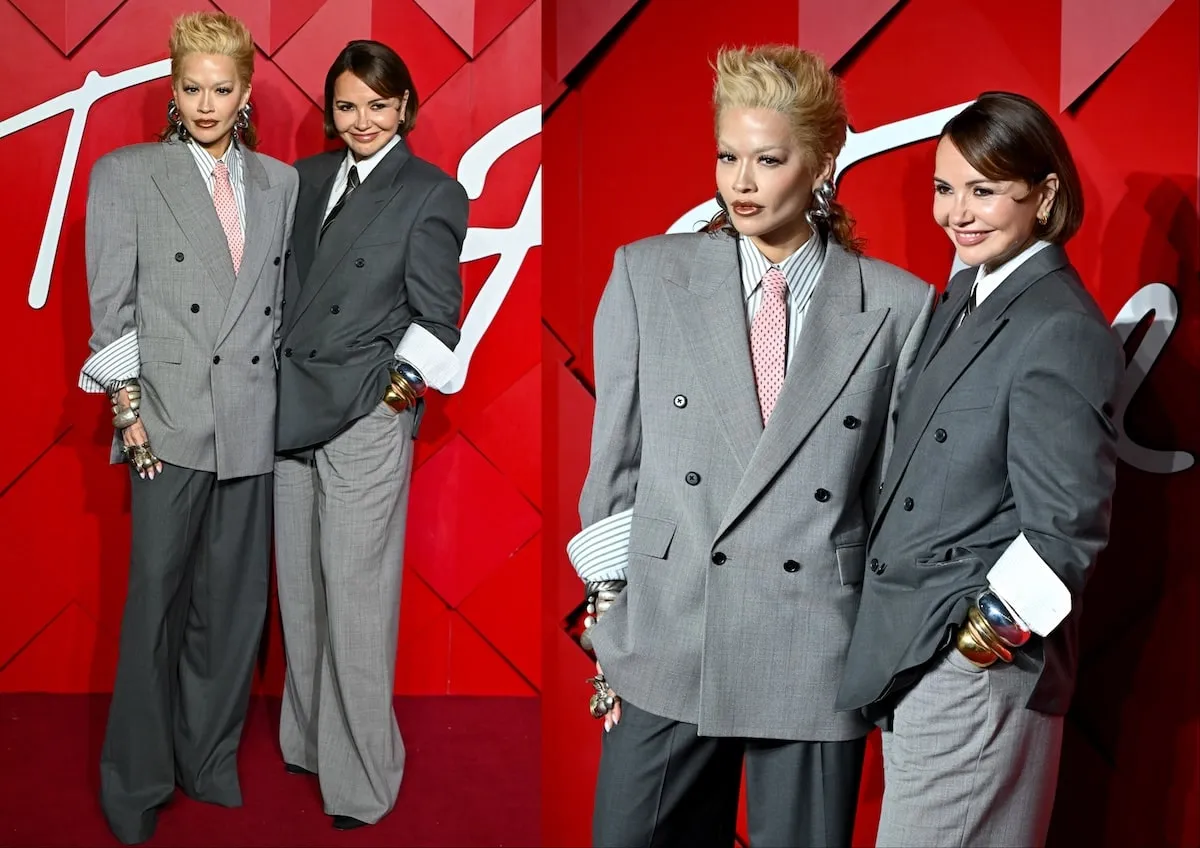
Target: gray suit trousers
x,y
199,574
966,764
662,784
339,546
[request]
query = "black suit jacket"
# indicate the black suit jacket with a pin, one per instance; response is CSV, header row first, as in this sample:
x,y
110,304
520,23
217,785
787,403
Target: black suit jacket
x,y
389,260
1005,429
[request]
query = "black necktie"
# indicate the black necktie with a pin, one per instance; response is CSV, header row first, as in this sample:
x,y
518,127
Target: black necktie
x,y
351,185
972,302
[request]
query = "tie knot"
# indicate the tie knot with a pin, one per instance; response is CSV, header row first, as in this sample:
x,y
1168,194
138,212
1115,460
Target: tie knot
x,y
352,177
774,282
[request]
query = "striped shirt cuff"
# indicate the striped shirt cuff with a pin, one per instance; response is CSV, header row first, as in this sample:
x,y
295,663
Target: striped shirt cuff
x,y
422,350
1029,587
601,550
113,363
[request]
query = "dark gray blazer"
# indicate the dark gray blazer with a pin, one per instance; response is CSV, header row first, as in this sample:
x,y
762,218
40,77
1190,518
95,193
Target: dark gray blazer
x,y
1005,430
390,259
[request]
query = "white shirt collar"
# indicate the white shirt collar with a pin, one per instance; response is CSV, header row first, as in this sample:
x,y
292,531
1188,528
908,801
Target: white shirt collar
x,y
366,166
986,283
799,268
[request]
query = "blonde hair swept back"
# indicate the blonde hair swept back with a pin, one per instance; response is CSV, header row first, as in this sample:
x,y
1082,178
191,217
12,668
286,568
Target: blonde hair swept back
x,y
219,34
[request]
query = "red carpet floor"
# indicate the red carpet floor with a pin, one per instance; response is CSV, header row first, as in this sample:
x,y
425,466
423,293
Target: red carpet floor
x,y
471,779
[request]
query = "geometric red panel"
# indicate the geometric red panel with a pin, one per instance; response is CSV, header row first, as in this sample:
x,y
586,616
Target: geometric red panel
x,y
507,610
582,27
68,656
509,433
272,22
324,35
465,520
832,29
1095,35
473,23
476,668
423,654
66,23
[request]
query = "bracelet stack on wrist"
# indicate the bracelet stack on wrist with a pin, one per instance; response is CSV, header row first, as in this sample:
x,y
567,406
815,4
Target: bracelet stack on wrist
x,y
125,416
406,386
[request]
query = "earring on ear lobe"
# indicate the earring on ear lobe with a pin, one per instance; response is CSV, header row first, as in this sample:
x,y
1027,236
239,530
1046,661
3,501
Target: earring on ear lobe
x,y
1043,218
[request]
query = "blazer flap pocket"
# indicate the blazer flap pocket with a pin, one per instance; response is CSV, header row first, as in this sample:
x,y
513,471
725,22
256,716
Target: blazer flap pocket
x,y
968,397
851,560
867,381
650,536
157,349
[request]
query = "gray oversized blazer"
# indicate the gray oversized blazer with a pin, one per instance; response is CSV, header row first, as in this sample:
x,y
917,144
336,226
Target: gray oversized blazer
x,y
746,551
158,262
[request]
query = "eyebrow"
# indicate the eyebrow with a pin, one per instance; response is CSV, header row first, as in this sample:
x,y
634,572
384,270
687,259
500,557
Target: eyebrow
x,y
195,83
783,147
938,179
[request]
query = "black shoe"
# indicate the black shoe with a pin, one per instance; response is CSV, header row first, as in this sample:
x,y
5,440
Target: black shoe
x,y
347,823
291,769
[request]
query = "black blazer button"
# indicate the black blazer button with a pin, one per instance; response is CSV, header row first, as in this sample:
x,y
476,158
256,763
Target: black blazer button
x,y
195,308
287,252
850,422
267,311
821,495
254,360
718,558
945,295
178,257
276,260
939,435
334,309
216,360
311,354
692,478
288,353
282,303
908,504
680,401
881,487
791,566
882,568
873,565
358,263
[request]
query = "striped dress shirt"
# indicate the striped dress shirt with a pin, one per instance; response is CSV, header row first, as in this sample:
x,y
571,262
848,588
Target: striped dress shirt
x,y
119,361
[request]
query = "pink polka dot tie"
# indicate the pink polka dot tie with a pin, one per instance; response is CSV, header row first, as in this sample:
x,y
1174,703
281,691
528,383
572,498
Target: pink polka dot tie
x,y
227,212
768,341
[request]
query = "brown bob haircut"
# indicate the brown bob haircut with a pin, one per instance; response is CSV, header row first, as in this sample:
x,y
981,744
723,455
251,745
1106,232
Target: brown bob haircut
x,y
383,71
1009,137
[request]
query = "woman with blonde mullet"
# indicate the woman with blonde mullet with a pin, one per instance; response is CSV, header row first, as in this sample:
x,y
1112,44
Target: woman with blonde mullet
x,y
744,382
185,239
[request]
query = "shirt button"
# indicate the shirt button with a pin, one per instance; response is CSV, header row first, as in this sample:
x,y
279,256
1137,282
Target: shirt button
x,y
939,435
680,401
334,309
850,422
195,308
718,558
358,263
254,360
216,360
791,566
821,495
178,257
908,504
692,478
288,353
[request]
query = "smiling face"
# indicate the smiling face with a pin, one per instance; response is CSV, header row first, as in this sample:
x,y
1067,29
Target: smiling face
x,y
209,95
766,179
989,221
365,119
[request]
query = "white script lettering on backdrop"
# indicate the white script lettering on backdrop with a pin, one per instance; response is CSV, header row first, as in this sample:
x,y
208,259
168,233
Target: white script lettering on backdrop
x,y
511,244
1155,301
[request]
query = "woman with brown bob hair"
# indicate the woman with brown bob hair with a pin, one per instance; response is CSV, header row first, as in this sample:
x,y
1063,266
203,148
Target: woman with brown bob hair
x,y
996,501
184,244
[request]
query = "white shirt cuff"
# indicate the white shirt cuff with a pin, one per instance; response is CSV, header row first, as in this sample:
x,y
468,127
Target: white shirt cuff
x,y
601,550
113,363
422,350
1030,587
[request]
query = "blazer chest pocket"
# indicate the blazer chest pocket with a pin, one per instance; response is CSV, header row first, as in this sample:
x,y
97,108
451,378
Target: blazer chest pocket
x,y
867,381
157,349
650,537
968,397
851,561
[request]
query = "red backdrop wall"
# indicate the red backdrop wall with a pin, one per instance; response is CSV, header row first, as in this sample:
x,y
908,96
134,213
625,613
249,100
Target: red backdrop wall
x,y
476,499
628,88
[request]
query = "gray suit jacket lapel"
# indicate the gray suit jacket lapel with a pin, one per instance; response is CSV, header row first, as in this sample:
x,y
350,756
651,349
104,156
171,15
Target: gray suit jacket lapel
x,y
943,367
188,198
835,335
705,294
361,209
262,213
